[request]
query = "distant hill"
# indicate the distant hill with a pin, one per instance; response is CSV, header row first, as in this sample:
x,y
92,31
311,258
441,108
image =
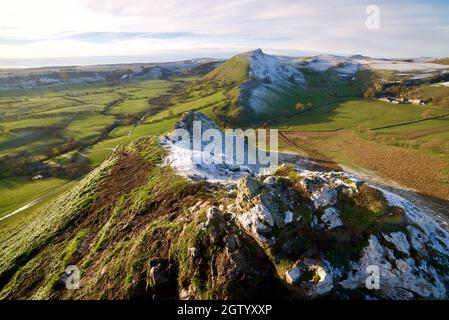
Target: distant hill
x,y
444,61
29,78
263,87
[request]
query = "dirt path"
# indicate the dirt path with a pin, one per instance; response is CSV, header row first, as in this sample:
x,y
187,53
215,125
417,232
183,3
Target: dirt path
x,y
37,200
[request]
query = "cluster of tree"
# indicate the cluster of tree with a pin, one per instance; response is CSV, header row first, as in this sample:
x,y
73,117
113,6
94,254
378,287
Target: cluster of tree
x,y
76,167
111,104
69,145
13,166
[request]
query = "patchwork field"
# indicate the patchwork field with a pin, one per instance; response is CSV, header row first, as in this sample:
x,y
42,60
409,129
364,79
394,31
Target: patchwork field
x,y
403,143
425,173
77,128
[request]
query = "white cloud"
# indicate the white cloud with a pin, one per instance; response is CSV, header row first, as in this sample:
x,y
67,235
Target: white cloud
x,y
282,26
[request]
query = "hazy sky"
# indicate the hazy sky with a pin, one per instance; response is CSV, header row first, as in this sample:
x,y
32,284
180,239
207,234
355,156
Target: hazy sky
x,y
95,31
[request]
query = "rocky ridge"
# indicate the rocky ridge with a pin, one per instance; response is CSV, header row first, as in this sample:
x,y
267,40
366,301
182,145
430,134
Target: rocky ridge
x,y
322,231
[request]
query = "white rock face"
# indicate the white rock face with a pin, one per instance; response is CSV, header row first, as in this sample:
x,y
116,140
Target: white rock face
x,y
322,186
263,214
325,197
321,282
250,221
399,240
404,280
270,78
331,218
431,233
273,69
345,66
288,217
412,263
184,158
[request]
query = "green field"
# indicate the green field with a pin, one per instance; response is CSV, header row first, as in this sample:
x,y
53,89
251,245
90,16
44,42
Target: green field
x,y
34,121
367,114
132,106
49,126
69,126
17,192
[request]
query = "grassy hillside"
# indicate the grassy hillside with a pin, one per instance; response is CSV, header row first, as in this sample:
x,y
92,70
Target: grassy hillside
x,y
16,192
235,70
72,130
116,228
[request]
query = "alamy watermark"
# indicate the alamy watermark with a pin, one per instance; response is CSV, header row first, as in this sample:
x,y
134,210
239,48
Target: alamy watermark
x,y
373,279
372,22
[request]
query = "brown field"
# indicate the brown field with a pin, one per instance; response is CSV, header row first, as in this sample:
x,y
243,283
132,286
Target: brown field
x,y
441,61
427,174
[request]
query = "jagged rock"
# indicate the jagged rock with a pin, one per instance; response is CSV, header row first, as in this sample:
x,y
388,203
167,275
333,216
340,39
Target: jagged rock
x,y
188,118
158,276
408,280
195,161
325,197
260,220
271,203
288,217
270,180
263,214
250,222
399,240
331,218
248,186
232,242
411,264
293,275
312,184
215,223
418,240
312,276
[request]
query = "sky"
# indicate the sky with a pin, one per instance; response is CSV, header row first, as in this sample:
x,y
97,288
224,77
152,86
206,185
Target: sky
x,y
55,32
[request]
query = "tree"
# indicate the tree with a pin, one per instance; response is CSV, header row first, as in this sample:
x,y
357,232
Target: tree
x,y
299,106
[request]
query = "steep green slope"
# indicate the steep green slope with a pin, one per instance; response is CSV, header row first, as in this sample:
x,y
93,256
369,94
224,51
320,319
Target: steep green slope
x,y
233,70
124,226
263,88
